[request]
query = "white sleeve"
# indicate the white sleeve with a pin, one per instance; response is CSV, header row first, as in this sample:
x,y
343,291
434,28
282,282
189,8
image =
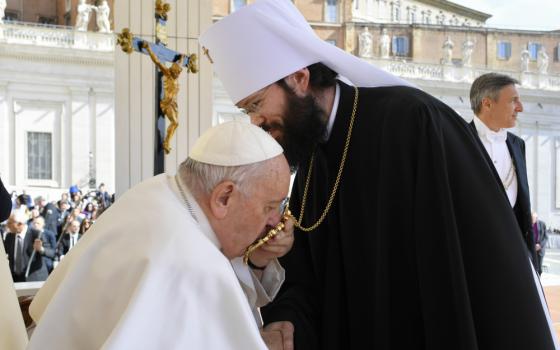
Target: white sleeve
x,y
272,278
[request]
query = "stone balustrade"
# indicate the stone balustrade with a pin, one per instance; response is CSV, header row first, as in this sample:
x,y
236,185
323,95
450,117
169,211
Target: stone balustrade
x,y
452,73
14,32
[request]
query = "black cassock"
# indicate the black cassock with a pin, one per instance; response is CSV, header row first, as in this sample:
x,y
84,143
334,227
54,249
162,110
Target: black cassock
x,y
5,203
420,250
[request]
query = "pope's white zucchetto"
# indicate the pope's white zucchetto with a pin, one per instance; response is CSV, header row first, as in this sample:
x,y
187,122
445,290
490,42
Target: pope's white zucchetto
x,y
235,143
268,40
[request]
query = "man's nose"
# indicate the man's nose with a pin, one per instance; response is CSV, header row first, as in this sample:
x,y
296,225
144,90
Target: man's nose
x,y
256,118
274,218
519,107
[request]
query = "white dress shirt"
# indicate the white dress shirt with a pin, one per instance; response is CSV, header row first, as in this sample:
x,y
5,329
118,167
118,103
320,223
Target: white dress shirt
x,y
496,147
332,116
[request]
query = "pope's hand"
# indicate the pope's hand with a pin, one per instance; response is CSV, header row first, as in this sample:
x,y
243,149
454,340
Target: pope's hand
x,y
276,247
279,335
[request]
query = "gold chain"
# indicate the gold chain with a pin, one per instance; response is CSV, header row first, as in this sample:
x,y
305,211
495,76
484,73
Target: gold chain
x,y
297,222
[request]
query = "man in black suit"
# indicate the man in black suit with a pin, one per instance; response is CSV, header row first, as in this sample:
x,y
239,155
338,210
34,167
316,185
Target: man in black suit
x,y
540,237
495,102
69,238
20,243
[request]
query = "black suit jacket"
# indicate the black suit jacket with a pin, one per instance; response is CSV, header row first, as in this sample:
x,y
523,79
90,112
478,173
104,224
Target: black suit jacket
x,y
522,208
37,271
543,237
64,244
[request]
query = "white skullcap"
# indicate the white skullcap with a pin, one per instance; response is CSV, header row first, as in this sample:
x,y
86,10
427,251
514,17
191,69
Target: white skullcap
x,y
262,43
235,143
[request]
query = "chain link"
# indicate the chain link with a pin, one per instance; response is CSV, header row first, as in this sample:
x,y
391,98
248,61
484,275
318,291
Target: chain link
x,y
297,222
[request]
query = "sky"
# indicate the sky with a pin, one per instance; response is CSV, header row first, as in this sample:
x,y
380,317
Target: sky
x,y
518,14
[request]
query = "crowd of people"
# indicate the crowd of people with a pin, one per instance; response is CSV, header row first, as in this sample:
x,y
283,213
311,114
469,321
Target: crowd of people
x,y
38,233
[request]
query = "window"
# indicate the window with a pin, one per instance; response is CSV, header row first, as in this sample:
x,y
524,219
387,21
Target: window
x,y
11,16
39,156
237,4
503,50
331,11
46,20
395,11
67,19
400,46
331,41
533,50
411,14
557,53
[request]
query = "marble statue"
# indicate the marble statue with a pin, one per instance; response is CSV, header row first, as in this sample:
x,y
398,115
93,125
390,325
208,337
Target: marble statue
x,y
447,51
525,57
2,9
103,11
365,42
542,61
82,20
468,47
384,43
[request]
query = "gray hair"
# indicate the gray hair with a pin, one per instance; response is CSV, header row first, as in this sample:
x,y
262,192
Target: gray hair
x,y
202,178
488,85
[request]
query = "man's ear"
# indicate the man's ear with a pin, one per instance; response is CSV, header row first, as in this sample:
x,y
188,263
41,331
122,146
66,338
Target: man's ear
x,y
220,199
299,82
487,102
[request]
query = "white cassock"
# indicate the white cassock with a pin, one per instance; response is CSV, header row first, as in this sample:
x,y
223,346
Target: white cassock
x,y
259,292
147,275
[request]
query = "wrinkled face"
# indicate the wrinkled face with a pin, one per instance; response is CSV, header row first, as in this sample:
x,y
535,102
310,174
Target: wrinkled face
x,y
255,213
297,123
503,111
15,226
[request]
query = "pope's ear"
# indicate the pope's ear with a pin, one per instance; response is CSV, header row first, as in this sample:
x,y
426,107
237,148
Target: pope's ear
x,y
220,199
299,82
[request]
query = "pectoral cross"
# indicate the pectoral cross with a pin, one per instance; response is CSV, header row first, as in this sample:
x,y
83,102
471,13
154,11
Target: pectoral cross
x,y
167,86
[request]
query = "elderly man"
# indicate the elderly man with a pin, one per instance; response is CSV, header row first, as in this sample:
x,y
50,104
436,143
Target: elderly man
x,y
154,271
395,235
22,245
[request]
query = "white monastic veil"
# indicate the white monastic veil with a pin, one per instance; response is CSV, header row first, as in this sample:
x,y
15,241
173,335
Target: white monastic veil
x,y
264,42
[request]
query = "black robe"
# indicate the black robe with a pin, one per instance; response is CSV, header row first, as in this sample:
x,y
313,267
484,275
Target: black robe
x,y
5,203
406,258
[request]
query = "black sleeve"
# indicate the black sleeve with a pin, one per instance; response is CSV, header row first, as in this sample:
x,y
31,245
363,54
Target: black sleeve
x,y
5,203
295,301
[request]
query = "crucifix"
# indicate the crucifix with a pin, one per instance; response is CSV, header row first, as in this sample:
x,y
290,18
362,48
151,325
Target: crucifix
x,y
167,86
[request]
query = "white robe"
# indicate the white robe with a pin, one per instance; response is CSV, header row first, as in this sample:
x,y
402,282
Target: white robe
x,y
145,276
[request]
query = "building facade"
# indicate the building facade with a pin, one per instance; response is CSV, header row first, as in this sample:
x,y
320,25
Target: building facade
x,y
56,104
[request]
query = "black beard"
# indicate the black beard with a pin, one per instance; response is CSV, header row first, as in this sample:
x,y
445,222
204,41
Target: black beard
x,y
304,127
